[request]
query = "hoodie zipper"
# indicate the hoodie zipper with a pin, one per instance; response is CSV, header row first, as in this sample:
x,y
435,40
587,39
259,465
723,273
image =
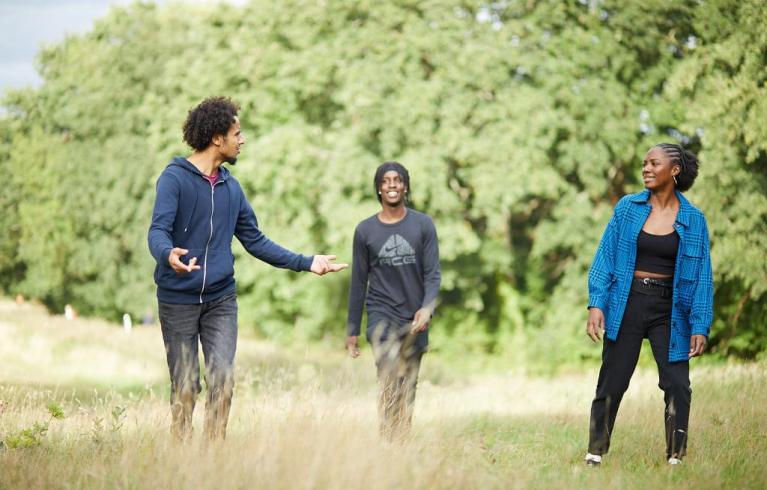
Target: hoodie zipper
x,y
210,237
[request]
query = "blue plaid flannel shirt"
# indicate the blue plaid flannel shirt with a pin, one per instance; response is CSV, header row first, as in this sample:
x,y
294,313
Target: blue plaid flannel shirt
x,y
613,270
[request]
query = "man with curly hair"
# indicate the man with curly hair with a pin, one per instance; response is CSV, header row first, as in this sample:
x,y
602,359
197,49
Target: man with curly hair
x,y
199,208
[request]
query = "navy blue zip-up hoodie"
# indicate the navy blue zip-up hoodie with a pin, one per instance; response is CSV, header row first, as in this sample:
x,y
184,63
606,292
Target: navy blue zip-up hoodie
x,y
191,213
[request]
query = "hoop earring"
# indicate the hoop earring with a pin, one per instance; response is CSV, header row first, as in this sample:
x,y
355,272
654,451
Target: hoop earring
x,y
673,177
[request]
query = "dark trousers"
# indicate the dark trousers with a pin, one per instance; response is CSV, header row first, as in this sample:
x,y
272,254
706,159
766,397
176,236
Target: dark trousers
x,y
398,360
648,315
214,325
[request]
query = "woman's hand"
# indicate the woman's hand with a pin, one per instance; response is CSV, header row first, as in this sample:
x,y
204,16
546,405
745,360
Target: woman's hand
x,y
697,345
595,326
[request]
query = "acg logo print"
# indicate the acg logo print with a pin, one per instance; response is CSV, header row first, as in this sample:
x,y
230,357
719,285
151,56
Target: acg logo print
x,y
396,251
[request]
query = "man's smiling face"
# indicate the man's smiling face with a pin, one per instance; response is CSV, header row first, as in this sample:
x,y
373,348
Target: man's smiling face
x,y
392,189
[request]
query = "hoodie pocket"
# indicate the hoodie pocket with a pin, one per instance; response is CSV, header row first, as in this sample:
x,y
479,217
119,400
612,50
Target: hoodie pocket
x,y
167,278
219,271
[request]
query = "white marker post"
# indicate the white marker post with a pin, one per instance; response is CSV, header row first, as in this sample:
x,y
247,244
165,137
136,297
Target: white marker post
x,y
127,323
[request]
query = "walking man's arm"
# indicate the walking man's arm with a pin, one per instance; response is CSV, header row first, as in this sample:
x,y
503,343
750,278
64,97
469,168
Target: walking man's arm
x,y
163,215
357,293
431,280
261,247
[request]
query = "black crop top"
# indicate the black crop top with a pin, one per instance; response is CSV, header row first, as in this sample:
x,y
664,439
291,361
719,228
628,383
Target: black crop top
x,y
657,253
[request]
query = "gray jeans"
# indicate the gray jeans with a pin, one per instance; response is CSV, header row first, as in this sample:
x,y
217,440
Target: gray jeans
x,y
214,325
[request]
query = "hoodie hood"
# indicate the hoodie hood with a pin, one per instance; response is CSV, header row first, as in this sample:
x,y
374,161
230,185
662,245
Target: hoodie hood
x,y
223,172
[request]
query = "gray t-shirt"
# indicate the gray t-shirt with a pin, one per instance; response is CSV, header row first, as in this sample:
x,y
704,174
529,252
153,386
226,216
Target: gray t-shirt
x,y
395,269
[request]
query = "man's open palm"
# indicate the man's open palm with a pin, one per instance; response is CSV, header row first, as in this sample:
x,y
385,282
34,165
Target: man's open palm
x,y
322,264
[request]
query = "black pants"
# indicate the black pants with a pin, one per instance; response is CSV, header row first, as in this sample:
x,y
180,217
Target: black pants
x,y
648,315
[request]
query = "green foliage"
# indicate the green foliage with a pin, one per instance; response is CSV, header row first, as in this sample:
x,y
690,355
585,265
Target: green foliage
x,y
723,85
55,411
27,438
100,432
118,418
35,435
521,123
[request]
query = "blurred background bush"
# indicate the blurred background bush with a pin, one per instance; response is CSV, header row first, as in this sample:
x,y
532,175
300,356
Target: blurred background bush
x,y
521,122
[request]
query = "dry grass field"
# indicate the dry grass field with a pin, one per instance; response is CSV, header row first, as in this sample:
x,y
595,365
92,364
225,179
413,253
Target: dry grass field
x,y
305,418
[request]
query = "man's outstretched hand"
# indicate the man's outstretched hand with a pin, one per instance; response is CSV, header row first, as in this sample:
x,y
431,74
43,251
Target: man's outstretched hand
x,y
322,264
174,259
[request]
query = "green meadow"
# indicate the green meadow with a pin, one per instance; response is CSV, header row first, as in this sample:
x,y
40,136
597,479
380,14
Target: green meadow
x,y
83,404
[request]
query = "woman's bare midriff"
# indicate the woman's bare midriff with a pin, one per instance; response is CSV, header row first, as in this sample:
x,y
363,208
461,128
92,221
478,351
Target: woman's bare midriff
x,y
651,275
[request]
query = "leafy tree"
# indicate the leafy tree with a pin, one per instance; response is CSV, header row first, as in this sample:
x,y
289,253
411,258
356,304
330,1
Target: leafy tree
x,y
522,124
724,99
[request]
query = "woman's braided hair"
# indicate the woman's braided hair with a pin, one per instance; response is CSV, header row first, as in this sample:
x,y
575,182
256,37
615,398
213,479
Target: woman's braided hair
x,y
687,161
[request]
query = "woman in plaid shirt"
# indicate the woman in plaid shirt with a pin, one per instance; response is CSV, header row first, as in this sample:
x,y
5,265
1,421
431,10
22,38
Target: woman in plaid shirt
x,y
651,278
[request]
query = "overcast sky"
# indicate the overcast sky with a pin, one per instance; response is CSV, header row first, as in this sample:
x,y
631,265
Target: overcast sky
x,y
25,25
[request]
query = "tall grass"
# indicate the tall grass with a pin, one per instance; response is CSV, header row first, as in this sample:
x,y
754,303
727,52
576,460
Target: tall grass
x,y
307,419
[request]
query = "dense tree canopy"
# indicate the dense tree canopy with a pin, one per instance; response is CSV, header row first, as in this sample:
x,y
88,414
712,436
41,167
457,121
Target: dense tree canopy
x,y
521,123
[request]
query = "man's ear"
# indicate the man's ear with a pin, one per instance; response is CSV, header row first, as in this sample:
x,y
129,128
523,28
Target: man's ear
x,y
217,140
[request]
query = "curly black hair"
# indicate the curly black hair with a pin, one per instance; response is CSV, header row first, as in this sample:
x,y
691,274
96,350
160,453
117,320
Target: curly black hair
x,y
687,161
211,117
397,167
